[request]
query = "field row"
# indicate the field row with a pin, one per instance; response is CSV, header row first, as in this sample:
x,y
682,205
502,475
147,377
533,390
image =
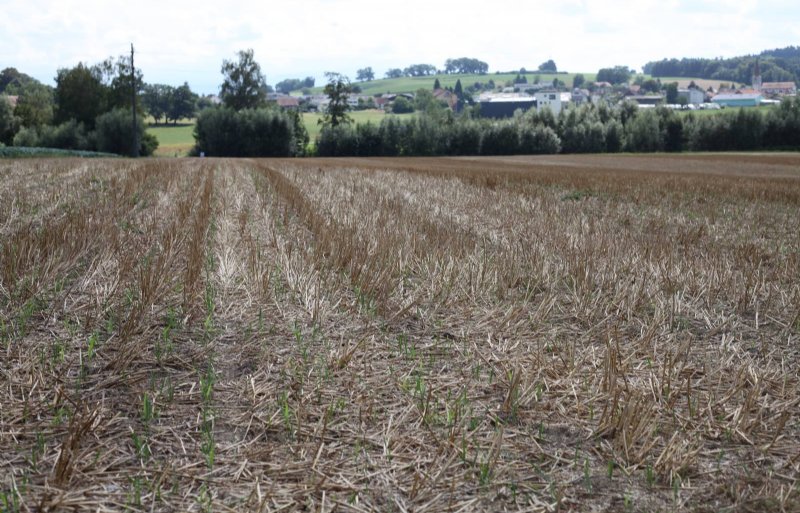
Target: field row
x,y
538,334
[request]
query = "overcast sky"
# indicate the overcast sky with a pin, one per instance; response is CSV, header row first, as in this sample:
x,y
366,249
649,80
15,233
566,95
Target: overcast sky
x,y
180,40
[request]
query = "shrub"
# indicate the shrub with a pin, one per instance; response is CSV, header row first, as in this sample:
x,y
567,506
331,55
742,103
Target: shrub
x,y
782,128
263,132
114,133
69,135
500,138
538,140
464,138
28,137
337,141
17,152
402,105
643,133
9,123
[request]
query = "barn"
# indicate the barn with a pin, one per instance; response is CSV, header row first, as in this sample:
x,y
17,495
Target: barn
x,y
738,100
504,107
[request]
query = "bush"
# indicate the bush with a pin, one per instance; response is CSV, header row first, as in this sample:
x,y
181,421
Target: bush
x,y
114,134
424,137
17,152
402,105
614,136
9,123
69,135
27,137
337,141
464,139
782,128
223,132
643,133
500,138
535,140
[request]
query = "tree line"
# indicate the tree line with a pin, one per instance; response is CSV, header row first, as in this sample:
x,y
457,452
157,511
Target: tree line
x,y
585,129
89,109
780,65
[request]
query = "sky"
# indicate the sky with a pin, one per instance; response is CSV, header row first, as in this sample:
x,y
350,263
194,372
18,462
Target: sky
x,y
180,41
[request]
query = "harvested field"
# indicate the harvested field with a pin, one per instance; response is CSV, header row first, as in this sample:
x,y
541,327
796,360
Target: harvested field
x,y
578,333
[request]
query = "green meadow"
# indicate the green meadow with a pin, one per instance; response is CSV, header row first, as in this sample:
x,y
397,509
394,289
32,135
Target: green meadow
x,y
173,140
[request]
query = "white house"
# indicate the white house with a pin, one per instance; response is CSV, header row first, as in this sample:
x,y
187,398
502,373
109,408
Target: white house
x,y
553,100
693,96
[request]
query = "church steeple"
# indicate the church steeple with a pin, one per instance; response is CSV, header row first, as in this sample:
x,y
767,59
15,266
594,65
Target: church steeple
x,y
757,76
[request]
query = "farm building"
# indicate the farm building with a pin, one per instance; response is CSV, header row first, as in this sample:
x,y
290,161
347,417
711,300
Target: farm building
x,y
505,106
692,96
738,100
288,102
553,100
449,97
779,88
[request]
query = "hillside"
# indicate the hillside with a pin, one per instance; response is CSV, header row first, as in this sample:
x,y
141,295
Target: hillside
x,y
412,84
779,65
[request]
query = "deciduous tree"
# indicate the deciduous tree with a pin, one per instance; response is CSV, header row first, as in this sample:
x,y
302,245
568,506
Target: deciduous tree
x,y
80,95
548,66
183,103
156,99
35,106
365,74
244,86
338,91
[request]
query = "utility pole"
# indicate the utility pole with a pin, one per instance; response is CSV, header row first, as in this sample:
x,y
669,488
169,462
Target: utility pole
x,y
135,143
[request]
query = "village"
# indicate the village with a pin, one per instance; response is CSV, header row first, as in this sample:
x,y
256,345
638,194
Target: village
x,y
503,100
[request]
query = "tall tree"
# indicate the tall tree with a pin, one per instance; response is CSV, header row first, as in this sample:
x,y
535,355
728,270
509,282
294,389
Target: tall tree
x,y
117,78
293,84
420,70
365,74
671,90
465,65
548,66
436,84
394,73
156,99
80,95
338,90
615,75
578,81
35,105
244,86
13,81
183,103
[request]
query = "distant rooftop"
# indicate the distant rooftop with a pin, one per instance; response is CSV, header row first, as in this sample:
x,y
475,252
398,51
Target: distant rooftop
x,y
746,96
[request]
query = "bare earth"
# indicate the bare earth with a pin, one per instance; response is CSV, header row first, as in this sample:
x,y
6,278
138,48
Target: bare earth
x,y
576,333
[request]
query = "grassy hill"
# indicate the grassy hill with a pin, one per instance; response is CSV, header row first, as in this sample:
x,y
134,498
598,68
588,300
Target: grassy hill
x,y
412,84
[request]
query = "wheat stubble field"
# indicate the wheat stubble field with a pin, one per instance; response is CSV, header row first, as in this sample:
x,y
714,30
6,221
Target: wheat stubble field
x,y
593,333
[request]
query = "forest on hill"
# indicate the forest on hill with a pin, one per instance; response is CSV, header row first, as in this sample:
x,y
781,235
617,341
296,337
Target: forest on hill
x,y
779,65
